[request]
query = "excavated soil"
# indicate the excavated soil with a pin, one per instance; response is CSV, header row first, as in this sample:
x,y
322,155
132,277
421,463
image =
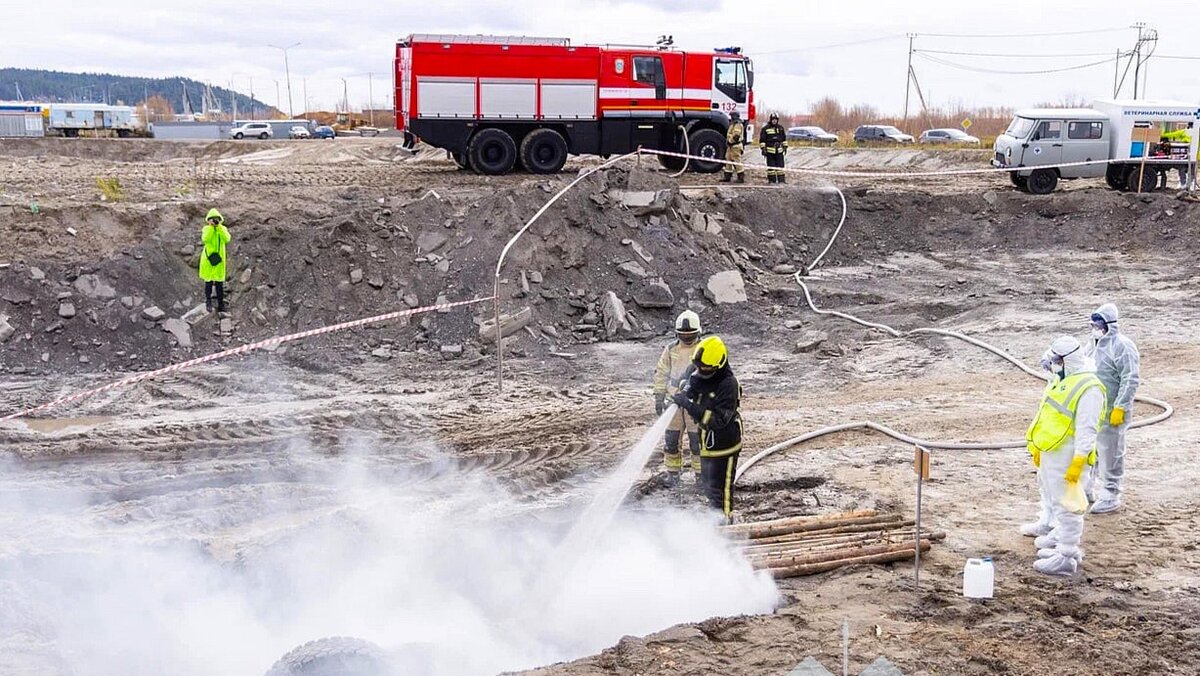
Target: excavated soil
x,y
328,233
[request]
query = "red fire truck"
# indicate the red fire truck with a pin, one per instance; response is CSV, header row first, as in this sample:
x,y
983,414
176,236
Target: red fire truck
x,y
494,102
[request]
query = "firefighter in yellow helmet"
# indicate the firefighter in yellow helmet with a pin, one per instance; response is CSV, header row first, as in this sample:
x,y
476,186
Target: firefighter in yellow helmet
x,y
713,397
672,366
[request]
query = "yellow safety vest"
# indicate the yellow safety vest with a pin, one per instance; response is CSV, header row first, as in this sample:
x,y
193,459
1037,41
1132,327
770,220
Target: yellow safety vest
x,y
1055,420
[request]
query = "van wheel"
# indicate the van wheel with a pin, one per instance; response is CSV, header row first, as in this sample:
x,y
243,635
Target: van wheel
x,y
543,151
707,143
1114,176
1148,178
1018,180
492,152
1042,181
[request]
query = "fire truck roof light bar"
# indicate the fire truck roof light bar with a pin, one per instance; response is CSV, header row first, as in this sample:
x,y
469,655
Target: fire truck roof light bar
x,y
487,39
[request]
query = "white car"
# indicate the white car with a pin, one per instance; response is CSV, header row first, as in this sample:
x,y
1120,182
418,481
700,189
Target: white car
x,y
260,130
299,132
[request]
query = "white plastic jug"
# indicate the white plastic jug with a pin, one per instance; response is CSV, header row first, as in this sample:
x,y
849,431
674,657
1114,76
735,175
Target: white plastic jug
x,y
979,578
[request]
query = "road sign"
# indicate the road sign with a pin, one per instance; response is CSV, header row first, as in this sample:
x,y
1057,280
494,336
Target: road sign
x,y
966,124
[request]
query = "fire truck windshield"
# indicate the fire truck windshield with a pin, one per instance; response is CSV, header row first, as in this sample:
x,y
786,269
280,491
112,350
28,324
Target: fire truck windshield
x,y
731,78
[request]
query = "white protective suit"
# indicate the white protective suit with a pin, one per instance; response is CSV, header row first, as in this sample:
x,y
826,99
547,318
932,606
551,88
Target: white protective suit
x,y
1063,529
1117,365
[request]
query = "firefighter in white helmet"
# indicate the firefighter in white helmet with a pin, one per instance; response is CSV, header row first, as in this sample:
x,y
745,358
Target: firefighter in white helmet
x,y
674,362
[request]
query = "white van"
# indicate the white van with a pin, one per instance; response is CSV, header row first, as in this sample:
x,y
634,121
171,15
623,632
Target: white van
x,y
1113,135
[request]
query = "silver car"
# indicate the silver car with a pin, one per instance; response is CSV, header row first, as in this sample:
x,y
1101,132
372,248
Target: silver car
x,y
811,134
260,130
949,135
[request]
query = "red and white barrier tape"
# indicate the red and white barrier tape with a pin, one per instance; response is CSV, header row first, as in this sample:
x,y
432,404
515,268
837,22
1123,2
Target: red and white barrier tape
x,y
887,174
243,349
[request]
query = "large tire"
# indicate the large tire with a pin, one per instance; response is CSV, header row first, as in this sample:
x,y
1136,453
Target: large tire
x,y
334,656
707,143
1114,176
492,152
1149,179
1022,182
671,163
543,151
1042,181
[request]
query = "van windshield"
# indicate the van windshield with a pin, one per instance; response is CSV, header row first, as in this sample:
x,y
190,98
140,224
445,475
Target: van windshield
x,y
1020,127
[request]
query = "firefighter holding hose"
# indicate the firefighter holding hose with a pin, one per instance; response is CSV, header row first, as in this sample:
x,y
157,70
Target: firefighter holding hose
x,y
672,366
712,397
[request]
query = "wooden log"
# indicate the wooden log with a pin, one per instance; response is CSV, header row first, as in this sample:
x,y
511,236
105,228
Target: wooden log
x,y
824,566
815,518
835,555
805,527
899,538
892,524
814,538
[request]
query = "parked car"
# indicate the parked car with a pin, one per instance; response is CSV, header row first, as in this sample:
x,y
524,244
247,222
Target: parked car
x,y
880,133
260,130
812,134
324,131
949,135
299,132
368,131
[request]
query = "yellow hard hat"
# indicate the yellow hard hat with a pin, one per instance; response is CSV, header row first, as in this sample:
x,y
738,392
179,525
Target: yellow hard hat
x,y
710,354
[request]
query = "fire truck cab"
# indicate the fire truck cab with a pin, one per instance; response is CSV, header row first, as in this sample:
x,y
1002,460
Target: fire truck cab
x,y
496,102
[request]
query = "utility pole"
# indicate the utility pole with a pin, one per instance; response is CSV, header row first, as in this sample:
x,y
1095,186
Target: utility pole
x,y
288,74
1137,66
278,100
305,97
908,74
1116,72
346,100
371,100
252,117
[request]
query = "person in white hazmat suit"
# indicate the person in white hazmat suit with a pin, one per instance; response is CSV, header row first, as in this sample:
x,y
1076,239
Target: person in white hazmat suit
x,y
1117,365
1062,441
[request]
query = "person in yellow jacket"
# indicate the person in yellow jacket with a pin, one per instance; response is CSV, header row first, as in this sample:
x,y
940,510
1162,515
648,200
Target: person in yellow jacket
x,y
214,237
672,365
1062,442
734,137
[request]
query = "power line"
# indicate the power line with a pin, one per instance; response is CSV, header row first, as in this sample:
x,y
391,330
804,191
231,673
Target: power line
x,y
975,69
834,45
1011,55
1020,35
1176,58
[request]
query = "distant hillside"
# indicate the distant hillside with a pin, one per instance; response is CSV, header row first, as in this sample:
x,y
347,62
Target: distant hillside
x,y
54,86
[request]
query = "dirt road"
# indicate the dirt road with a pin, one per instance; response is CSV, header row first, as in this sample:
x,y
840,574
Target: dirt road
x,y
238,462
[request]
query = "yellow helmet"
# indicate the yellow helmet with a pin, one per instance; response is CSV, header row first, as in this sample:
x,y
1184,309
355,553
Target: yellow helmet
x,y
710,355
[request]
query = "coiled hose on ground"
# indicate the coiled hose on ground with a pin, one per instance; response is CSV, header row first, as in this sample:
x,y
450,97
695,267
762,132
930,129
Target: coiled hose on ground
x,y
1166,412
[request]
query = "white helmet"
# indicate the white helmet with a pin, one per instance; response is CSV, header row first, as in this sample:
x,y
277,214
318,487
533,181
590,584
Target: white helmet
x,y
687,327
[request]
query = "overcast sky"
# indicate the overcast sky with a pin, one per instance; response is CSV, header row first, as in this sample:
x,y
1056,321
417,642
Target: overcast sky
x,y
799,46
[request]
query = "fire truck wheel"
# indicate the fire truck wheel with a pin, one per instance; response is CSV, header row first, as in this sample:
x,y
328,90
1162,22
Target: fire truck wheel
x,y
543,151
492,151
671,163
1114,176
1148,178
1042,181
707,143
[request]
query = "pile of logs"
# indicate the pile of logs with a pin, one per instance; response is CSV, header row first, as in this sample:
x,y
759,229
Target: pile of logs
x,y
804,545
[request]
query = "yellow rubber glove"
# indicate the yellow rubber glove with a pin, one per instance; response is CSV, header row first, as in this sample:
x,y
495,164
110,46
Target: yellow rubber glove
x,y
1117,417
1076,468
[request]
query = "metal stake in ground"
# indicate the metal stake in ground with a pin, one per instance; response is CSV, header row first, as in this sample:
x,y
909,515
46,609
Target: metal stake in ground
x,y
921,467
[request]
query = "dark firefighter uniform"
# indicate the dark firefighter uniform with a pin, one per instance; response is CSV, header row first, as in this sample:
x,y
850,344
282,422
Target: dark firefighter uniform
x,y
672,366
712,397
773,138
733,148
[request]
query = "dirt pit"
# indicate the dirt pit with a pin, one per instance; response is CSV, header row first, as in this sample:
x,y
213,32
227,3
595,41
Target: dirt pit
x,y
373,483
